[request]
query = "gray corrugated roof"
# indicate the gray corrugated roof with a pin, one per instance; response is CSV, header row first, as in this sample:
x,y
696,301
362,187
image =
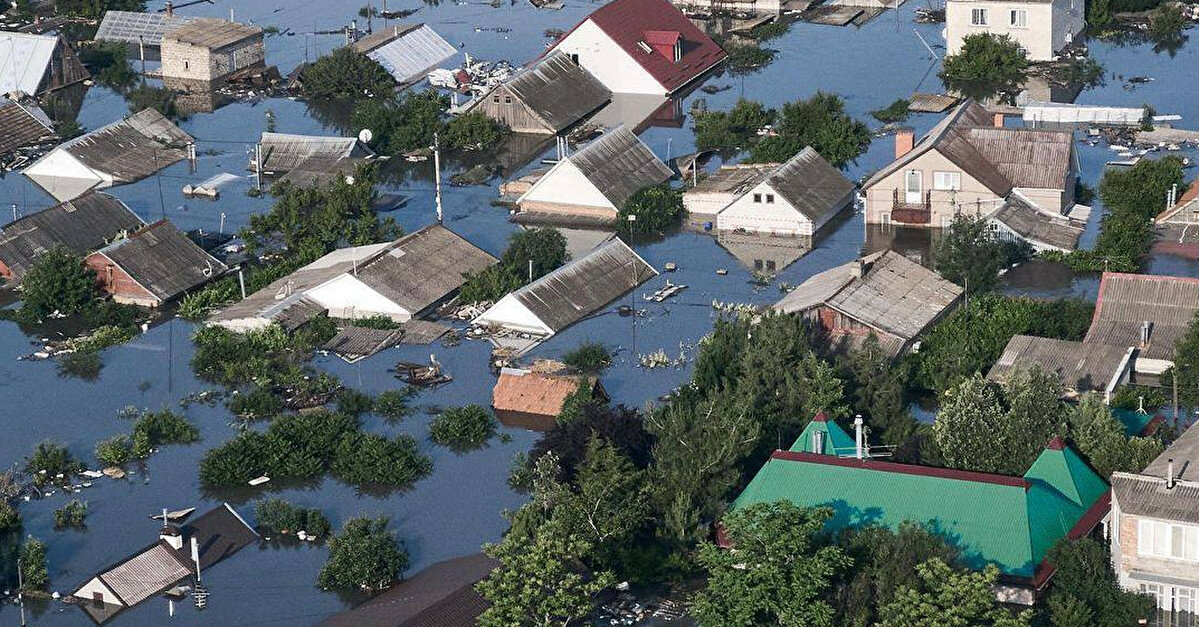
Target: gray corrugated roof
x,y
80,225
558,90
146,574
619,164
1079,366
1126,300
22,124
128,150
811,184
212,33
406,51
424,267
127,26
1039,227
24,60
162,259
733,179
1148,496
581,287
282,152
358,342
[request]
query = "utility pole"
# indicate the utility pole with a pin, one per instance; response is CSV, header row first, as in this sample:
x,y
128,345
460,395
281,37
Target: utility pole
x,y
437,172
633,292
21,590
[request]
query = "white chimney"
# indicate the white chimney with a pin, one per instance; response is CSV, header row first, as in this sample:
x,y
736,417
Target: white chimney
x,y
1145,325
173,537
1169,473
859,438
818,442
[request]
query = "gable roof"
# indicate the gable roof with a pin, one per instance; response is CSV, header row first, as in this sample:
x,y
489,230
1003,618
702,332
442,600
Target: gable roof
x,y
146,573
1080,366
24,61
406,51
1188,199
631,23
558,91
999,158
735,179
1008,521
1039,227
835,440
531,392
23,124
810,184
283,152
441,595
131,27
619,164
81,225
1125,301
212,33
1145,493
163,260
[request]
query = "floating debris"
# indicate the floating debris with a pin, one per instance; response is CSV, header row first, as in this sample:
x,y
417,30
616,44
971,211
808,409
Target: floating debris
x,y
668,291
114,472
259,480
420,374
722,271
174,515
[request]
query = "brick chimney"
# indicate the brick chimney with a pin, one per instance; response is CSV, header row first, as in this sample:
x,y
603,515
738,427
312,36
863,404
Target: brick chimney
x,y
905,139
998,120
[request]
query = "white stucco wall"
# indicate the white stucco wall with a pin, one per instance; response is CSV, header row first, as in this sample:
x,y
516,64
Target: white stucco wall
x,y
510,313
1041,37
778,218
565,184
608,62
347,297
62,164
93,586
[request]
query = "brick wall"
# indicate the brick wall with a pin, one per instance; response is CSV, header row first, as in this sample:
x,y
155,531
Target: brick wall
x,y
1131,561
113,280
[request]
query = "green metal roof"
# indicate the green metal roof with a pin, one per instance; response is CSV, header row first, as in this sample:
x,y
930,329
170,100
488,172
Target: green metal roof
x,y
1008,521
1135,422
836,440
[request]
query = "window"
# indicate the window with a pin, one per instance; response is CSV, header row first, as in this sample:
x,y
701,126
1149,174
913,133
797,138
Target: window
x,y
771,265
947,180
186,64
770,199
978,17
757,198
1160,539
495,99
1019,18
507,99
758,265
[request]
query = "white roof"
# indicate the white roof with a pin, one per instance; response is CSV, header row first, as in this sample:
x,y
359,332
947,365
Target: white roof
x,y
410,56
135,27
23,61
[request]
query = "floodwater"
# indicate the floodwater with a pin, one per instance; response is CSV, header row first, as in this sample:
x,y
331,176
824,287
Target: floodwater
x,y
459,506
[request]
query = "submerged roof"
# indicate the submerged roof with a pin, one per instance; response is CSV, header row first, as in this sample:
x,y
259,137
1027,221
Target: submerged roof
x,y
23,124
1080,366
736,179
81,226
406,51
632,24
1038,227
212,33
219,533
558,90
163,260
994,519
619,164
531,392
283,152
24,61
134,27
442,595
1127,301
810,184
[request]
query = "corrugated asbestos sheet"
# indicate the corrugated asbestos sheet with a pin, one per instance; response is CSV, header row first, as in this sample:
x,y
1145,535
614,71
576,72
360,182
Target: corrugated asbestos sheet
x,y
558,90
619,164
1148,496
22,125
282,152
164,260
1126,301
582,287
80,225
24,60
409,52
898,295
355,343
146,574
1038,227
128,26
423,267
812,185
733,179
212,33
1078,365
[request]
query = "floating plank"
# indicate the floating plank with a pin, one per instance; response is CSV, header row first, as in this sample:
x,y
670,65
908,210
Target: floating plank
x,y
831,15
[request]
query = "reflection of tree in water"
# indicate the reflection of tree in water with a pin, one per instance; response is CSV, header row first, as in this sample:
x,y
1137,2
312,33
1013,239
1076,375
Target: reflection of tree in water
x,y
1166,33
997,91
333,114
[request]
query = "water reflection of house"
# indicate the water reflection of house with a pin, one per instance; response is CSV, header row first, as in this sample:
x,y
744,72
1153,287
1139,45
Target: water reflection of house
x,y
639,112
80,226
916,244
884,295
533,399
155,265
768,254
192,98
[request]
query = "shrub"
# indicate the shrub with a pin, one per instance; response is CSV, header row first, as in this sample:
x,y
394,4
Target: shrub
x,y
154,429
364,556
393,404
279,517
747,57
257,404
353,402
649,210
474,131
57,281
406,124
345,73
10,518
34,575
50,459
589,358
114,451
734,130
897,111
463,428
371,459
70,515
819,122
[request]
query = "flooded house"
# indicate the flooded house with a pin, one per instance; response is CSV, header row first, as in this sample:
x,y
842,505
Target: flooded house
x,y
531,398
442,595
1007,521
140,30
122,152
401,280
884,295
37,65
407,51
594,183
1080,367
970,163
179,555
1154,529
796,198
305,160
207,51
1042,27
80,226
565,296
1178,225
1148,312
547,98
641,47
153,266
23,123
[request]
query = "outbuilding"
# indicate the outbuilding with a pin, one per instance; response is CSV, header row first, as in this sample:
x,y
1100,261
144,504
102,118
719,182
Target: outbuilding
x,y
546,98
153,266
531,398
207,51
407,51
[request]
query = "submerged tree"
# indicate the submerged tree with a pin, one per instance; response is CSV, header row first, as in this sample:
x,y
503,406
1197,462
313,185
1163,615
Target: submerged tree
x,y
987,64
363,556
345,73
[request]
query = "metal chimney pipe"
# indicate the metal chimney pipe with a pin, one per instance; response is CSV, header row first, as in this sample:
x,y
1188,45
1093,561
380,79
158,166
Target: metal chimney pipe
x,y
1170,473
818,442
1144,333
859,437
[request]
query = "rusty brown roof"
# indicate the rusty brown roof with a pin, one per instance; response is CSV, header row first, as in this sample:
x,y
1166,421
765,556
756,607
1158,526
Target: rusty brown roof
x,y
531,392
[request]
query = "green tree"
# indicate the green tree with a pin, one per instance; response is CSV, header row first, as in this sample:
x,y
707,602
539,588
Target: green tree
x,y
1085,592
969,425
610,502
50,459
878,392
34,574
1035,414
970,253
474,131
1186,366
1099,436
776,573
653,209
404,124
820,122
463,428
588,358
733,130
986,63
530,255
57,281
72,515
345,73
944,596
363,556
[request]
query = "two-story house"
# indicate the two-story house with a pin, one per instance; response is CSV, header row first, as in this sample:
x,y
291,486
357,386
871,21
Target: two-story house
x,y
1154,528
1041,27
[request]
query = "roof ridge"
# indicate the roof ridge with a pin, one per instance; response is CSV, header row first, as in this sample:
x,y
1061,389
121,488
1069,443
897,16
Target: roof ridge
x,y
951,474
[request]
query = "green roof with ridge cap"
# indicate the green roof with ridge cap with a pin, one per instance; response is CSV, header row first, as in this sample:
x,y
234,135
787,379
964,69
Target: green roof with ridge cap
x,y
836,440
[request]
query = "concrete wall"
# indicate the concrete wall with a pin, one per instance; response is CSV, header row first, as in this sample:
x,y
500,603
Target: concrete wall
x,y
608,62
347,297
511,313
1056,201
703,206
1050,26
973,197
195,63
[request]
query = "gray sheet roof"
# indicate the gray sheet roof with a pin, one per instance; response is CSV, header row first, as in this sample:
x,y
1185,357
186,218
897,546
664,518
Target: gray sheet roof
x,y
128,150
24,60
1079,366
23,124
583,286
736,179
619,164
80,225
811,184
1039,227
558,90
354,343
219,532
406,51
162,259
424,267
1127,300
282,152
146,574
127,26
896,295
1148,496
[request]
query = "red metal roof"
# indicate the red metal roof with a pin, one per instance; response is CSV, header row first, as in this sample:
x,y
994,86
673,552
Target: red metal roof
x,y
907,469
630,23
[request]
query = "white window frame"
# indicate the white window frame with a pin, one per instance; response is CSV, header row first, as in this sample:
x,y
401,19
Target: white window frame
x,y
1022,22
947,181
978,17
1157,538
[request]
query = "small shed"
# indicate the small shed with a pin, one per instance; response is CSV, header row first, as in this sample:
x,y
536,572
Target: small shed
x,y
1079,366
531,399
407,51
23,124
797,198
548,97
122,152
152,266
307,159
81,226
209,50
1019,220
596,181
36,65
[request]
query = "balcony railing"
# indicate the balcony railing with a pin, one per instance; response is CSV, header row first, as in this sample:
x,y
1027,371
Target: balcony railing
x,y
909,212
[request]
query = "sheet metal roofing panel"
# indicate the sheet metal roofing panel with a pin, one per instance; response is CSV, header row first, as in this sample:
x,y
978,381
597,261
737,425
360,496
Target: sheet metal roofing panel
x,y
897,295
23,61
812,185
558,90
411,55
146,574
619,164
1127,300
1185,453
80,225
128,26
1028,158
283,151
424,267
1038,227
162,259
1078,365
219,533
22,125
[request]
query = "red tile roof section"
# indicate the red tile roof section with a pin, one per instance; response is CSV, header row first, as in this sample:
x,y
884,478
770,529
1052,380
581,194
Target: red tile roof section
x,y
820,417
532,393
907,469
628,22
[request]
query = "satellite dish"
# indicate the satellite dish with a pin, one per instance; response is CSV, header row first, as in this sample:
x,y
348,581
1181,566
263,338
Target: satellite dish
x,y
365,135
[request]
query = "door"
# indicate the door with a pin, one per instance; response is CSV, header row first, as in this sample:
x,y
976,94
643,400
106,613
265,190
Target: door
x,y
913,185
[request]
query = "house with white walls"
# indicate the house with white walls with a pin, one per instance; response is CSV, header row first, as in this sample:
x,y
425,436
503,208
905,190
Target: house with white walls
x,y
1042,27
